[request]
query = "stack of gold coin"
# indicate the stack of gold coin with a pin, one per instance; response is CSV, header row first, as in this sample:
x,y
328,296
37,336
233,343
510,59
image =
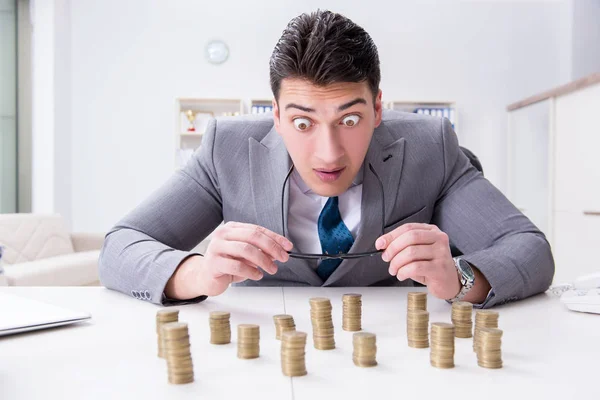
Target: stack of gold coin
x,y
442,345
484,319
365,349
177,352
164,316
462,312
220,329
352,312
417,301
248,341
283,323
417,329
293,345
490,343
320,315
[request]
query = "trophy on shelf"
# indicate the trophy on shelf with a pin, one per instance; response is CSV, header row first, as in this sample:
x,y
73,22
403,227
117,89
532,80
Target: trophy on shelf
x,y
191,116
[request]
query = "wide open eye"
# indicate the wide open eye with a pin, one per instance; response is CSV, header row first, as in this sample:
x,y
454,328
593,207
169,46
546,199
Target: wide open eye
x,y
351,120
302,124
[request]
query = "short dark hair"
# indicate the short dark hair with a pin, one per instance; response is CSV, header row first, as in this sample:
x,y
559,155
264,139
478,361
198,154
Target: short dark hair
x,y
324,48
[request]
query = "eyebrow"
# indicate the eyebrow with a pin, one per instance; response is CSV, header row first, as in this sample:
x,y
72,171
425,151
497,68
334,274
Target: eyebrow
x,y
358,100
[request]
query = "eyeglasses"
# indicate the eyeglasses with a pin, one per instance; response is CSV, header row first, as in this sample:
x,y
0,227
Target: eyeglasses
x,y
343,256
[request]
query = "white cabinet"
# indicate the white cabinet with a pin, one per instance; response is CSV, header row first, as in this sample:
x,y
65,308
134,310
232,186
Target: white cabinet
x,y
576,242
528,150
577,151
554,171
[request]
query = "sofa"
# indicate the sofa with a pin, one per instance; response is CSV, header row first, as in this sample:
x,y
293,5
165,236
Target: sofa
x,y
38,250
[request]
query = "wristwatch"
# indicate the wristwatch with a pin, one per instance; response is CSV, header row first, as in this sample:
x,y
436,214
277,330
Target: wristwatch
x,y
466,277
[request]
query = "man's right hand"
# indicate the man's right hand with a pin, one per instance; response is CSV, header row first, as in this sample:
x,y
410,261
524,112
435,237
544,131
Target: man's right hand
x,y
237,251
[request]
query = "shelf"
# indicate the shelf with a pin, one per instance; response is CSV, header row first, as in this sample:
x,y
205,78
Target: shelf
x,y
192,134
445,109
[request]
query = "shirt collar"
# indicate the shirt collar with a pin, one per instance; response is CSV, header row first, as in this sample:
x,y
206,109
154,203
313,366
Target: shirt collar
x,y
358,179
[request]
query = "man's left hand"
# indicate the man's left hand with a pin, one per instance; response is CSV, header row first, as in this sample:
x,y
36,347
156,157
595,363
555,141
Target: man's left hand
x,y
421,252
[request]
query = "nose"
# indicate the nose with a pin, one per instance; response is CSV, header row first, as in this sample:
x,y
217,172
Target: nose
x,y
328,147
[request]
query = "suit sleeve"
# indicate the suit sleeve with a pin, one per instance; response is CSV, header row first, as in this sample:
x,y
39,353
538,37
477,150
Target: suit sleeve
x,y
494,236
143,250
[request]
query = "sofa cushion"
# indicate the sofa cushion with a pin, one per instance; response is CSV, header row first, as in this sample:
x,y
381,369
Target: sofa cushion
x,y
30,237
67,270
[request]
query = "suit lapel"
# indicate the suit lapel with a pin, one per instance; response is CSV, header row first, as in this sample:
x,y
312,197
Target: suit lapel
x,y
389,169
269,165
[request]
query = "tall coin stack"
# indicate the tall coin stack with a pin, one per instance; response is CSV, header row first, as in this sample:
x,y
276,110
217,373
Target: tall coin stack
x,y
462,313
484,319
320,315
220,329
417,301
293,345
365,349
177,352
283,323
490,343
352,312
248,341
164,317
442,345
417,329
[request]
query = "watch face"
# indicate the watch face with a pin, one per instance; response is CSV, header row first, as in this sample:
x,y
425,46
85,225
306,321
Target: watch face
x,y
466,271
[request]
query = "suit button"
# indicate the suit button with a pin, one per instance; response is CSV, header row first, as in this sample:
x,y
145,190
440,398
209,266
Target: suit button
x,y
147,294
134,293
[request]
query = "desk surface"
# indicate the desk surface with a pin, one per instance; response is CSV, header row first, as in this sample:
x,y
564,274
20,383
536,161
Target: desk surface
x,y
548,351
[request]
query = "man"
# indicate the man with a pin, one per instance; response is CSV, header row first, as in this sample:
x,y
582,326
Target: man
x,y
328,173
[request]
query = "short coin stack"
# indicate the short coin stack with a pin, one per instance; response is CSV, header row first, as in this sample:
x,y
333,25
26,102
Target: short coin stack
x,y
283,323
293,345
417,301
417,329
320,315
220,329
177,352
462,313
442,345
484,319
164,317
352,312
248,341
365,349
490,343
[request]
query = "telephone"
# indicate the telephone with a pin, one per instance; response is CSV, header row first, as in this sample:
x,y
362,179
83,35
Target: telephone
x,y
582,295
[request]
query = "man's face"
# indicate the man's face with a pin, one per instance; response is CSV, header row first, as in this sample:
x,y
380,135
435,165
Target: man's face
x,y
327,130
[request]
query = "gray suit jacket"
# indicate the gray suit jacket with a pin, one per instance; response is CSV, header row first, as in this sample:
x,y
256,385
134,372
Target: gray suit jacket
x,y
238,173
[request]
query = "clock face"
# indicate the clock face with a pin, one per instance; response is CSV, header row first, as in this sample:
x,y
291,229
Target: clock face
x,y
216,52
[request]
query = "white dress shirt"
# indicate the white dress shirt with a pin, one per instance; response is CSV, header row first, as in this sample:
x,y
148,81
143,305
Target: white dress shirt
x,y
305,207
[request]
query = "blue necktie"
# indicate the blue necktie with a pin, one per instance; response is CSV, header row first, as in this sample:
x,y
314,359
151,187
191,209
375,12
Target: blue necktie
x,y
334,236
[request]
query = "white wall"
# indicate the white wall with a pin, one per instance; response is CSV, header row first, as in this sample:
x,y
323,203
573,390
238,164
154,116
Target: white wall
x,y
51,149
8,111
586,38
130,59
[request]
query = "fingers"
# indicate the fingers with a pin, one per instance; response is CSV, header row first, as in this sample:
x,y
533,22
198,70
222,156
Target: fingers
x,y
410,238
409,255
239,270
246,252
417,271
384,240
280,240
259,239
237,279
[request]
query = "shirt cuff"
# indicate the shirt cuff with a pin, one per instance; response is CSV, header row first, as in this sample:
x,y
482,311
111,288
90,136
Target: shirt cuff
x,y
167,301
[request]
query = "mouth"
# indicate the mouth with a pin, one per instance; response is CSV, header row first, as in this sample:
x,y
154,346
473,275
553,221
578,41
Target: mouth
x,y
329,175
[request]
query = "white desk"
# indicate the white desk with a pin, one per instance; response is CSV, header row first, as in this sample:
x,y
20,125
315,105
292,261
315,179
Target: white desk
x,y
548,351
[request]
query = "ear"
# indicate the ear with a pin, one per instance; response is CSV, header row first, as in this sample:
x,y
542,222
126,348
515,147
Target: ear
x,y
378,109
276,116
